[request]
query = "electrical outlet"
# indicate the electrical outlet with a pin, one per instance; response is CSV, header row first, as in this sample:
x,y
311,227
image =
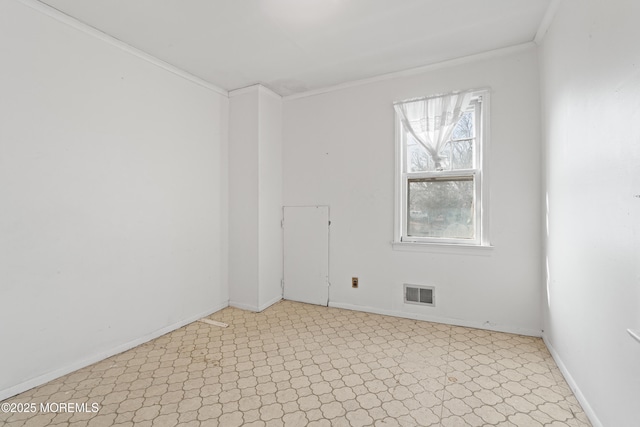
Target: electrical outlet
x,y
354,282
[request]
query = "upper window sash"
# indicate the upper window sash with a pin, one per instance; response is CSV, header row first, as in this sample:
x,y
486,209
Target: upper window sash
x,y
416,158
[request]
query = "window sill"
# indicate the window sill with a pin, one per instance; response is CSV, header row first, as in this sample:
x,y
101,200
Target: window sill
x,y
443,248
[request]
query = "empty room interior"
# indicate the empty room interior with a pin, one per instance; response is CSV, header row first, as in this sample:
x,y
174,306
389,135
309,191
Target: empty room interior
x,y
320,212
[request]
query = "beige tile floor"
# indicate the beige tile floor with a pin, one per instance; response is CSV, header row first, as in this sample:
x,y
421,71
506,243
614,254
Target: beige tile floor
x,y
296,365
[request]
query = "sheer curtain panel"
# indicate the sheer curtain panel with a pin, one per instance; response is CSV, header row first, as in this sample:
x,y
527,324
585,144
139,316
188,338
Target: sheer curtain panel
x,y
430,121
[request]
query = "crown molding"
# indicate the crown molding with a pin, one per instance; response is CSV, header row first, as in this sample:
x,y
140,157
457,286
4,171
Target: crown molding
x,y
244,90
265,90
547,20
94,32
258,87
418,70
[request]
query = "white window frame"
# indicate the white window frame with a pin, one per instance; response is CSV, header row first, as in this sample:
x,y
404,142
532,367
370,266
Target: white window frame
x,y
481,101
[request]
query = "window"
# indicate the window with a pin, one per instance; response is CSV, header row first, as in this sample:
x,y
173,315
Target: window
x,y
440,169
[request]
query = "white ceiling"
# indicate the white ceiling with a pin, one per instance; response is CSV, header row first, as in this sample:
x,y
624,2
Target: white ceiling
x,y
292,46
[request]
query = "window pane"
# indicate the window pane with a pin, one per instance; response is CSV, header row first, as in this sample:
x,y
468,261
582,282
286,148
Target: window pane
x,y
440,207
418,160
459,154
453,156
465,127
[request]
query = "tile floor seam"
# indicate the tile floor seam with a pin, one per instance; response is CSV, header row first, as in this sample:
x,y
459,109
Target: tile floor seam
x,y
446,371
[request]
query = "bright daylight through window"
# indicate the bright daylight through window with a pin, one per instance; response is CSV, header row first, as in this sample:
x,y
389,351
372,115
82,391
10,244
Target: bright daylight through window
x,y
440,178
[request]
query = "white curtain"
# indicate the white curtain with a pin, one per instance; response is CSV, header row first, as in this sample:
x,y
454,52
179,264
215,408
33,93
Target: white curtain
x,y
431,121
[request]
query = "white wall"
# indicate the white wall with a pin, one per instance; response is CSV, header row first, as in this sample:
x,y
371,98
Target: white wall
x,y
339,151
113,199
243,199
591,102
255,198
270,198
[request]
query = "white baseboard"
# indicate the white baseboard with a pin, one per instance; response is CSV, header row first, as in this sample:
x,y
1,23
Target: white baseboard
x,y
588,410
270,302
255,308
438,319
50,376
243,306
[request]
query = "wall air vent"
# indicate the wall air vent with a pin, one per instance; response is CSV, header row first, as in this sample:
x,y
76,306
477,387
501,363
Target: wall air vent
x,y
423,295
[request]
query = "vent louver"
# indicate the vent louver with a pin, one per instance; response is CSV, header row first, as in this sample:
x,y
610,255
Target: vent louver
x,y
422,295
